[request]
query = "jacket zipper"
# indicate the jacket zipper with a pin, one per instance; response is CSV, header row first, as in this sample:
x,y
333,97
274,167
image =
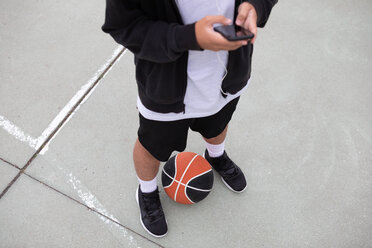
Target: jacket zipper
x,y
175,7
180,21
224,91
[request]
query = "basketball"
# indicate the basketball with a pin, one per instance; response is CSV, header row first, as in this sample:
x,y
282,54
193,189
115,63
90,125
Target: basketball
x,y
187,178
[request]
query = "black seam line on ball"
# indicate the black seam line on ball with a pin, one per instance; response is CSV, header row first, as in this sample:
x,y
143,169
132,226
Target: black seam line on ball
x,y
174,180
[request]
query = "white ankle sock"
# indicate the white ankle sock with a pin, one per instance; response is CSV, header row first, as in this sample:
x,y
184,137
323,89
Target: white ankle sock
x,y
215,150
148,186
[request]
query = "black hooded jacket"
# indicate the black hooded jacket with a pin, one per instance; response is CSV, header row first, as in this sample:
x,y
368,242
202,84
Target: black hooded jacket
x,y
154,32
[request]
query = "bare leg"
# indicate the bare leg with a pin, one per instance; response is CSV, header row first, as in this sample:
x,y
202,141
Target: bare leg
x,y
152,215
218,139
146,165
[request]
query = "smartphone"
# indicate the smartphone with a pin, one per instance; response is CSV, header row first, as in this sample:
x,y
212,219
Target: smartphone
x,y
234,33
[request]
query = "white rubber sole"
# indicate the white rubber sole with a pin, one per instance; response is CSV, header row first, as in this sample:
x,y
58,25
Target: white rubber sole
x,y
228,186
143,225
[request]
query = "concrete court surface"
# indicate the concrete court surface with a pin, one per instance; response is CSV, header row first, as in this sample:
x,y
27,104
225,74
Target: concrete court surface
x,y
302,134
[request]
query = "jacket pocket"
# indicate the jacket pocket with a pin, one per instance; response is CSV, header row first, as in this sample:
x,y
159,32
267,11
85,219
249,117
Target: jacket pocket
x,y
162,83
239,69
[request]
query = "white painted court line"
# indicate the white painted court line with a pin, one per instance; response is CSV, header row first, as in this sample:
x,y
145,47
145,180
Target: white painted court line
x,y
17,133
90,200
69,106
36,143
124,235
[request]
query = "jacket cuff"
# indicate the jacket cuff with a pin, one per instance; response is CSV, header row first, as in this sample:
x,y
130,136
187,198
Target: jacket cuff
x,y
258,5
186,37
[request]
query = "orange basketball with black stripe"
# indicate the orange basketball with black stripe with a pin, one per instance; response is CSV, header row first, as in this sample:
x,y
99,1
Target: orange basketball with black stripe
x,y
187,178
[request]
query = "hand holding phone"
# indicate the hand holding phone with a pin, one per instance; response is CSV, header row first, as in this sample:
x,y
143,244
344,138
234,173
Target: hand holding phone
x,y
208,39
234,33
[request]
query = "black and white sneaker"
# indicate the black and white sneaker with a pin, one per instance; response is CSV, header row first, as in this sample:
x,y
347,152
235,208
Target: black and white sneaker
x,y
151,213
231,175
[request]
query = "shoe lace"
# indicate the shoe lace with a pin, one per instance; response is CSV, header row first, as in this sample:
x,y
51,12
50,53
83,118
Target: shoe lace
x,y
228,168
153,206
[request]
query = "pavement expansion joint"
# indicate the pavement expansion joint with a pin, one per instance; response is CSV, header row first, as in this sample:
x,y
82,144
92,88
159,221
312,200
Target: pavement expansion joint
x,y
9,163
10,184
91,209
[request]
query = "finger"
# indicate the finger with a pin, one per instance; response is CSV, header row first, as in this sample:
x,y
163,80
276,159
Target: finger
x,y
242,15
236,44
254,38
218,19
234,47
247,25
250,24
223,44
219,39
231,45
227,48
253,29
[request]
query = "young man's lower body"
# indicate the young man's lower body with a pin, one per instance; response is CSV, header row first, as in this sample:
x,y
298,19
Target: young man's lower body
x,y
158,139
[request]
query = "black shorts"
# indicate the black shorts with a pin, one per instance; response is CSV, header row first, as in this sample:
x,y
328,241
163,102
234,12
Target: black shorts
x,y
161,138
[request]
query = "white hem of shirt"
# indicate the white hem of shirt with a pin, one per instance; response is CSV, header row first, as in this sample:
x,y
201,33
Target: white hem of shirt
x,y
156,116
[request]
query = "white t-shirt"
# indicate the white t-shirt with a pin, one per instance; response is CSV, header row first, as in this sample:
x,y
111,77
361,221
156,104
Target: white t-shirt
x,y
205,69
